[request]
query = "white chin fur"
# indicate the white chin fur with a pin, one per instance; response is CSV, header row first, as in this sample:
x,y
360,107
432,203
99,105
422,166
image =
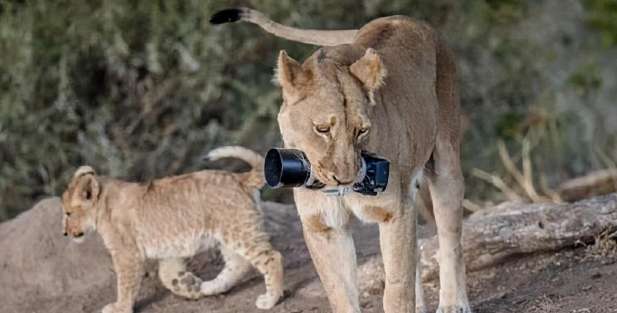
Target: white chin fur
x,y
79,239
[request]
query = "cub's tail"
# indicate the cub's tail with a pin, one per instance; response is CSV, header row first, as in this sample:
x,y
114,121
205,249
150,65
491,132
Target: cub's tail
x,y
255,177
309,36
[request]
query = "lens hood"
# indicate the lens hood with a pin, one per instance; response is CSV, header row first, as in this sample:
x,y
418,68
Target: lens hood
x,y
286,168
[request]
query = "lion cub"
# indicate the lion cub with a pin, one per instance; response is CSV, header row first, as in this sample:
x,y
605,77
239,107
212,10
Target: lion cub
x,y
172,219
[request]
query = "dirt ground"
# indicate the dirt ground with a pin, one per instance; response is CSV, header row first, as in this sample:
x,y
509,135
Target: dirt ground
x,y
42,271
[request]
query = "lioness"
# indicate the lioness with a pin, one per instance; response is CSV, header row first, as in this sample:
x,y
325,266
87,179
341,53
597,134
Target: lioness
x,y
172,219
388,88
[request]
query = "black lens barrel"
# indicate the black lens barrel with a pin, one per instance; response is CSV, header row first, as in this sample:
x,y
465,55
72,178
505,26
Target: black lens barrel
x,y
286,168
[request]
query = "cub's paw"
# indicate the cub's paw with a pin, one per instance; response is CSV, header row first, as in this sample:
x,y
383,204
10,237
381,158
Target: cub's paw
x,y
454,309
116,308
266,301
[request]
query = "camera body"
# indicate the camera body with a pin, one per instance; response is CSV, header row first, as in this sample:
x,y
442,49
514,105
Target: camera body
x,y
291,168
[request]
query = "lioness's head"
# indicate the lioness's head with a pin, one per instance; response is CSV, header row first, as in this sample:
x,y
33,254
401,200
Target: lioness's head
x,y
325,106
79,203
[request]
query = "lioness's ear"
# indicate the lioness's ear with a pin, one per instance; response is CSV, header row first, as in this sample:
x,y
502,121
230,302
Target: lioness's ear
x,y
370,70
289,74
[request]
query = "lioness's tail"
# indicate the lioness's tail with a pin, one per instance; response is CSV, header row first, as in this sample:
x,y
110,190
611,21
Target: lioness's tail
x,y
310,36
255,177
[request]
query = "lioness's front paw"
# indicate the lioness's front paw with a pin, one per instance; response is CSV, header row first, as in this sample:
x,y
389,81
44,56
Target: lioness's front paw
x,y
454,309
116,308
266,301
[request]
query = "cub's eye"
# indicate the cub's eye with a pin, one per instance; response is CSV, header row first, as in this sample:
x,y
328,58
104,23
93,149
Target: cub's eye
x,y
322,128
68,213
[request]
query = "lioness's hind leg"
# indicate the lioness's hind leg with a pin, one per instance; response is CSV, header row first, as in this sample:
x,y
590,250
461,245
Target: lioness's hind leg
x,y
235,269
175,277
446,188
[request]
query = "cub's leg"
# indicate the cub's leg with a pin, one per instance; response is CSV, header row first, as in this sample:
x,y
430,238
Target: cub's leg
x,y
175,277
129,266
236,267
251,243
332,250
397,237
446,188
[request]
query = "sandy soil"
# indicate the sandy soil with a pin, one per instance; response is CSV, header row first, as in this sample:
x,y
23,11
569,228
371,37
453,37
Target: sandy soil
x,y
42,271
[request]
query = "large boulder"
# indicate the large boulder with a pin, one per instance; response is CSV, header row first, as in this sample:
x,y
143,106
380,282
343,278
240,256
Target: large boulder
x,y
38,261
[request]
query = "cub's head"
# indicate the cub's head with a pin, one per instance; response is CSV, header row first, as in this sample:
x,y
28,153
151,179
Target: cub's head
x,y
79,203
325,108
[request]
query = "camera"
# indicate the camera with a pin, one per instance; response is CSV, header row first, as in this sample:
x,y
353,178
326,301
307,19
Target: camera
x,y
291,168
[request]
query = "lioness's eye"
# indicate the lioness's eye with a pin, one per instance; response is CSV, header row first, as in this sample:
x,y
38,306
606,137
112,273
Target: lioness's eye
x,y
322,128
362,131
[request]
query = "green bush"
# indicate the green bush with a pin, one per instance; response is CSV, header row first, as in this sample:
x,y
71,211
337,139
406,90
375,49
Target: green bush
x,y
142,89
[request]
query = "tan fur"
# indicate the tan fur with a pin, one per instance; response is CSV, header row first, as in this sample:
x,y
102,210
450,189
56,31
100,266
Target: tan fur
x,y
312,36
315,224
252,179
376,214
391,90
172,219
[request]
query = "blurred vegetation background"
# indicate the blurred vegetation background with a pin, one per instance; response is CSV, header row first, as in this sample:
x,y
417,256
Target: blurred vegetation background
x,y
142,89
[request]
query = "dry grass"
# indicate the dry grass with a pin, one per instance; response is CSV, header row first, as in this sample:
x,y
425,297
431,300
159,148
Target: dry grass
x,y
522,187
543,304
605,244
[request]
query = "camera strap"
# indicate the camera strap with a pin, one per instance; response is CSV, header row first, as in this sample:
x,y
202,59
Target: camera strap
x,y
337,191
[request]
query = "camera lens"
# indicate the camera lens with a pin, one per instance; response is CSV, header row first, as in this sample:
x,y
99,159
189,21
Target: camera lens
x,y
286,168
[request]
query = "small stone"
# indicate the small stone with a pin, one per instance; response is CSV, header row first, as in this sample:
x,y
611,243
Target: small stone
x,y
587,288
596,275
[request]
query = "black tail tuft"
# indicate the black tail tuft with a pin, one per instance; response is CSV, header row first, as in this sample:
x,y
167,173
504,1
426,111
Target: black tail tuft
x,y
225,16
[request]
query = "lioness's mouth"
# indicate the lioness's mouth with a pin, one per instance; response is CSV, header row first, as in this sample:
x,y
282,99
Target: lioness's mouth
x,y
341,182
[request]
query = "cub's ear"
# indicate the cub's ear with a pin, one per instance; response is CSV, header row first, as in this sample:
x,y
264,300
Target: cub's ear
x,y
83,170
370,70
86,183
290,75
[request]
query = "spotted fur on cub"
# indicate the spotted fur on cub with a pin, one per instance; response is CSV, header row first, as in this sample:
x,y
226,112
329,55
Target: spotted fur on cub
x,y
174,218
